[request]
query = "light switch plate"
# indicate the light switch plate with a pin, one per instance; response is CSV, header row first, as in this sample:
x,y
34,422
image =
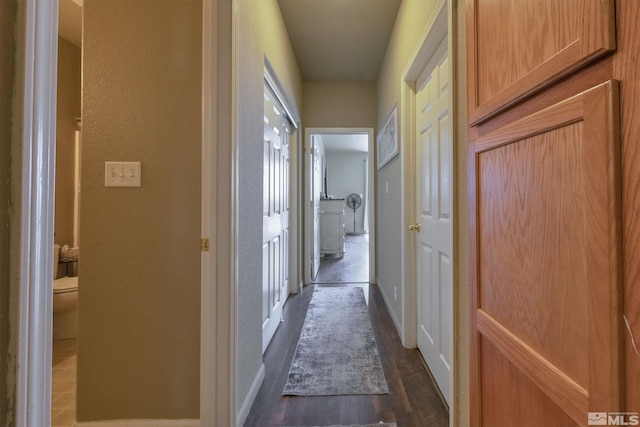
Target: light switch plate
x,y
122,174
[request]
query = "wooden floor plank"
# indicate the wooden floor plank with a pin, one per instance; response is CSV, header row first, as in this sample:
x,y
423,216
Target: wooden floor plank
x,y
413,400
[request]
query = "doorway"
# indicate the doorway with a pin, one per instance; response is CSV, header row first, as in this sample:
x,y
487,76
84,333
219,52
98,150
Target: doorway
x,y
429,306
340,243
434,213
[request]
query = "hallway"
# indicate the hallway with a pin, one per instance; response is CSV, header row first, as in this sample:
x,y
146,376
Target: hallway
x,y
412,401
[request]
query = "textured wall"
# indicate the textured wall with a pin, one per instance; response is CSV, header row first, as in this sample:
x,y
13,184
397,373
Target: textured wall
x,y
340,104
139,287
346,175
262,34
7,322
410,22
412,17
68,109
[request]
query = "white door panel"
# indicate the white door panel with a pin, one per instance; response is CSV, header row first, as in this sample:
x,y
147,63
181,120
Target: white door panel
x,y
433,190
275,217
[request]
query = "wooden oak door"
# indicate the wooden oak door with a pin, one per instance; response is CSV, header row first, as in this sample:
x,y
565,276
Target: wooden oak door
x,y
546,308
275,216
518,47
434,202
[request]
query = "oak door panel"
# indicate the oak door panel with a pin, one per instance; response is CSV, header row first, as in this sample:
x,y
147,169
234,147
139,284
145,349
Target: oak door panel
x,y
527,405
549,39
533,225
548,258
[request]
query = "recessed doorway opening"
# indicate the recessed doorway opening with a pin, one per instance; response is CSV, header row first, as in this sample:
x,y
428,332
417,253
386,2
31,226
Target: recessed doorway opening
x,y
340,192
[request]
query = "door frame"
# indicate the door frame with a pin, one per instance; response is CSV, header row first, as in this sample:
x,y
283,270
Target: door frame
x,y
220,28
308,213
439,25
295,236
37,86
37,26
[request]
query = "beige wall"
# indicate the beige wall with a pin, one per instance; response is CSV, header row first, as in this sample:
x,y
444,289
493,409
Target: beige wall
x,y
68,109
412,17
410,22
261,34
139,288
8,327
340,104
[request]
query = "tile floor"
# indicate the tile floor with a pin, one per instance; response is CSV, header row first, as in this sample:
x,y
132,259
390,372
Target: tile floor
x,y
63,387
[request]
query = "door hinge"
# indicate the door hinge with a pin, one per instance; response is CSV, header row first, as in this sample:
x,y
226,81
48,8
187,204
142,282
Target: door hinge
x,y
204,244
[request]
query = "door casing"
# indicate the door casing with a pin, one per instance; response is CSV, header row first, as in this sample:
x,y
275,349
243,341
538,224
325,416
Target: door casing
x,y
439,25
219,164
308,213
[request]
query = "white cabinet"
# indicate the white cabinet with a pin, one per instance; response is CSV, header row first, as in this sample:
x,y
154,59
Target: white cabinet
x,y
332,226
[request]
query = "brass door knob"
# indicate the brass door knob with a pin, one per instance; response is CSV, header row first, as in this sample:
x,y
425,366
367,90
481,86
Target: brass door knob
x,y
414,227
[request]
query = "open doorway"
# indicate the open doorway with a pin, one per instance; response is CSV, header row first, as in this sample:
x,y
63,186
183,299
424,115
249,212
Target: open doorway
x,y
340,241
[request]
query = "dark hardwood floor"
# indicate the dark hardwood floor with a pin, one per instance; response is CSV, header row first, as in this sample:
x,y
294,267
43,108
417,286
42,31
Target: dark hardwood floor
x,y
412,402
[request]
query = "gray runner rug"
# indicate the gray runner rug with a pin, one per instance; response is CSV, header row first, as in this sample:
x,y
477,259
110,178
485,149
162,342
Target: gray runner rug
x,y
337,352
380,424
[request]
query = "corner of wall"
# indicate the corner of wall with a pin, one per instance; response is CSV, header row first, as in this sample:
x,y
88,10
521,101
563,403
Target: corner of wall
x,y
10,114
387,300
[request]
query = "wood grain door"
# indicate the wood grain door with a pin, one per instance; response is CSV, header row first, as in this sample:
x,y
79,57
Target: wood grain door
x,y
518,47
546,307
275,216
434,202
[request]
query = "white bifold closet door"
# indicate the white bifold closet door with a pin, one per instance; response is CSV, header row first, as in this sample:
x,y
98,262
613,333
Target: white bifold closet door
x,y
275,215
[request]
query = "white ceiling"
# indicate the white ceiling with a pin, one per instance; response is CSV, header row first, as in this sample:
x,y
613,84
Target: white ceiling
x,y
339,40
333,40
345,143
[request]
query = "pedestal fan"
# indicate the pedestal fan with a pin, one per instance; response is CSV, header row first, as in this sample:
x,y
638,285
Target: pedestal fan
x,y
354,201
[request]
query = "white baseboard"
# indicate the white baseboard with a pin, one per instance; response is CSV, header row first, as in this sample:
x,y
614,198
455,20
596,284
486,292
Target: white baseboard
x,y
243,413
139,423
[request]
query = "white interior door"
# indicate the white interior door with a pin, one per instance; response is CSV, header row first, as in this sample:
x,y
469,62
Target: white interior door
x,y
275,216
434,211
316,191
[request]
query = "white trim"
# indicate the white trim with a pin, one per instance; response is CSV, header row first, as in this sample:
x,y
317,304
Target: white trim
x,y
278,89
435,30
140,423
207,264
291,112
308,132
245,408
408,330
33,400
218,404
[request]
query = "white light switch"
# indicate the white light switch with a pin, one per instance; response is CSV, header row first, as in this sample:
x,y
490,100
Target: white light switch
x,y
122,174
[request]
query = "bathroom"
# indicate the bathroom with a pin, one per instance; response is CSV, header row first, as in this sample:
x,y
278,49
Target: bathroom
x,y
67,237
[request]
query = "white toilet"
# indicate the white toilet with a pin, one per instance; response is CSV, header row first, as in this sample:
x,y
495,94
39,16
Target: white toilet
x,y
65,302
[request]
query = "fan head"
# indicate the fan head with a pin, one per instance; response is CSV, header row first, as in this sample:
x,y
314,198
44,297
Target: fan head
x,y
354,201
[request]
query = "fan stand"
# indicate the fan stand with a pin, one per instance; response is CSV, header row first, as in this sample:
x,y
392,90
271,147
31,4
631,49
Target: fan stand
x,y
354,202
354,232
